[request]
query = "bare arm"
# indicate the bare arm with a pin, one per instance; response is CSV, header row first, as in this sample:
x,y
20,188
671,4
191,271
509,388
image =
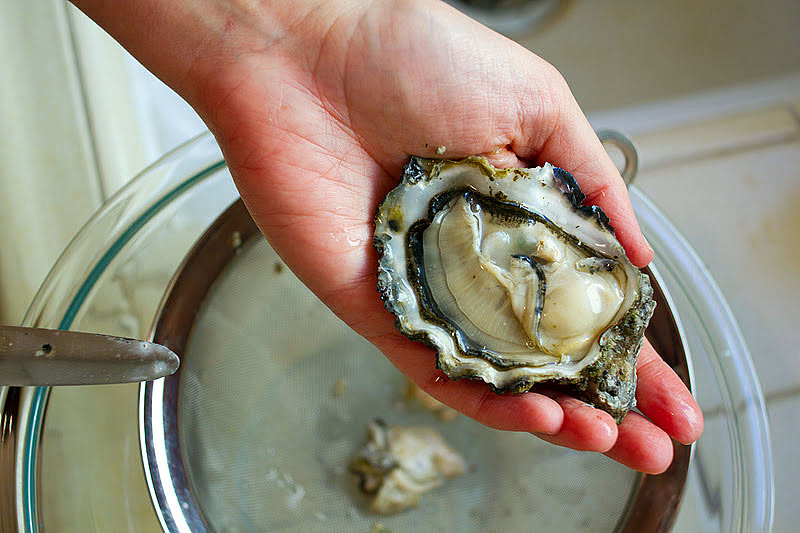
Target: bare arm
x,y
317,105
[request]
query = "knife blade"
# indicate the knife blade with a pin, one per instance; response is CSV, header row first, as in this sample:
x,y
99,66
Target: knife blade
x,y
35,356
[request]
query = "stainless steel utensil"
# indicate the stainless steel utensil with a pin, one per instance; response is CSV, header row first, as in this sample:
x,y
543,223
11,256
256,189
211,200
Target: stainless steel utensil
x,y
33,356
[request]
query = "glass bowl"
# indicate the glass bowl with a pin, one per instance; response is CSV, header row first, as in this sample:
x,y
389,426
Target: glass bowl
x,y
78,464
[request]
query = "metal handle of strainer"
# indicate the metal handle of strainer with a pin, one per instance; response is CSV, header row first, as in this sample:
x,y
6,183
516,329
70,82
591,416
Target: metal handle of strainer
x,y
629,151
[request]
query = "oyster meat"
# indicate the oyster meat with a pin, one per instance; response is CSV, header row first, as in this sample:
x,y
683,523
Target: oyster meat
x,y
512,280
398,464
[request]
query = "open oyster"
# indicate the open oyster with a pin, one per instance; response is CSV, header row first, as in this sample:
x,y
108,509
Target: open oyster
x,y
512,280
399,464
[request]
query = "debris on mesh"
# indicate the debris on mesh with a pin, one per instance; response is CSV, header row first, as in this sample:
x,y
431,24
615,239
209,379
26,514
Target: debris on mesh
x,y
416,395
399,464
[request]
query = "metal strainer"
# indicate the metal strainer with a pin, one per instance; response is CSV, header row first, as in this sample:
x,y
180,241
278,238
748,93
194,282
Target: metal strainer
x,y
254,431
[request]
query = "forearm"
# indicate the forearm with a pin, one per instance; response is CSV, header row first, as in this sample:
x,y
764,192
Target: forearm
x,y
192,45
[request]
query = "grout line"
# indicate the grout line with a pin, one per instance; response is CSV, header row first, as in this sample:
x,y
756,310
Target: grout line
x,y
793,110
727,150
790,393
706,105
778,396
713,412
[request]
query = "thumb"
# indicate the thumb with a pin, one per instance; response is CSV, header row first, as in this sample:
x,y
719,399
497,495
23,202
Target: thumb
x,y
570,142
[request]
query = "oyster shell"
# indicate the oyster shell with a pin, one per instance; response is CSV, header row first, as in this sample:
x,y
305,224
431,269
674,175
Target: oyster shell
x,y
512,280
399,464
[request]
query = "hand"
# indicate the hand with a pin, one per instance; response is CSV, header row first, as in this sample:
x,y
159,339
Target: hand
x,y
317,108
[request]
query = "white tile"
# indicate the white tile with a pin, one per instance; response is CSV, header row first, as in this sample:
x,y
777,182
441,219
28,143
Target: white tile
x,y
702,107
740,213
618,53
785,421
710,137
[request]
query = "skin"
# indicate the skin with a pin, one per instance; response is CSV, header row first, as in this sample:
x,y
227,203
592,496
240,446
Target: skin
x,y
317,105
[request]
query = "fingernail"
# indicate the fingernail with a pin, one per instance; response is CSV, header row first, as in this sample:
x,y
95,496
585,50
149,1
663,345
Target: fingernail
x,y
543,434
648,253
649,247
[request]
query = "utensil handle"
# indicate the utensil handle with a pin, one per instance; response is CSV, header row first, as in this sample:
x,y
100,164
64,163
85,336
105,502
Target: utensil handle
x,y
34,356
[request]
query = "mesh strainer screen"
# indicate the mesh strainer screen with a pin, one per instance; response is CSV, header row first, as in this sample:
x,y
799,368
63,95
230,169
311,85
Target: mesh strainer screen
x,y
267,432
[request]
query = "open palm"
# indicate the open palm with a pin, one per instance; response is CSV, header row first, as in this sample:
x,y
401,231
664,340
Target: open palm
x,y
316,117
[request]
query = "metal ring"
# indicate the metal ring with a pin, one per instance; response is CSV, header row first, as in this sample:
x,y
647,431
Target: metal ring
x,y
654,500
628,149
10,408
166,474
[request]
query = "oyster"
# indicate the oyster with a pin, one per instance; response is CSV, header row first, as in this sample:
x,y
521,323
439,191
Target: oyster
x,y
398,464
512,280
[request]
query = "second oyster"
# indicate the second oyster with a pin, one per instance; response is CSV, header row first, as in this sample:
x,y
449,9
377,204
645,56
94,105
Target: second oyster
x,y
399,464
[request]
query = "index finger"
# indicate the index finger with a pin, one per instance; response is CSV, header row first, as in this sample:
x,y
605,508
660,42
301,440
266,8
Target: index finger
x,y
579,151
571,143
663,398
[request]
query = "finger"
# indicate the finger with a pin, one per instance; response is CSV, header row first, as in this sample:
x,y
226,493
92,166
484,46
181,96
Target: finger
x,y
576,148
570,142
316,209
664,399
585,428
530,412
641,445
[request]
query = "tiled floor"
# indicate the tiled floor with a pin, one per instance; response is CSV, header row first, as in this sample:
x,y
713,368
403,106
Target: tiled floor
x,y
736,201
739,212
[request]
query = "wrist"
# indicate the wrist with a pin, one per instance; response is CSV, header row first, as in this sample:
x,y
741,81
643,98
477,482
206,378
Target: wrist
x,y
195,46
